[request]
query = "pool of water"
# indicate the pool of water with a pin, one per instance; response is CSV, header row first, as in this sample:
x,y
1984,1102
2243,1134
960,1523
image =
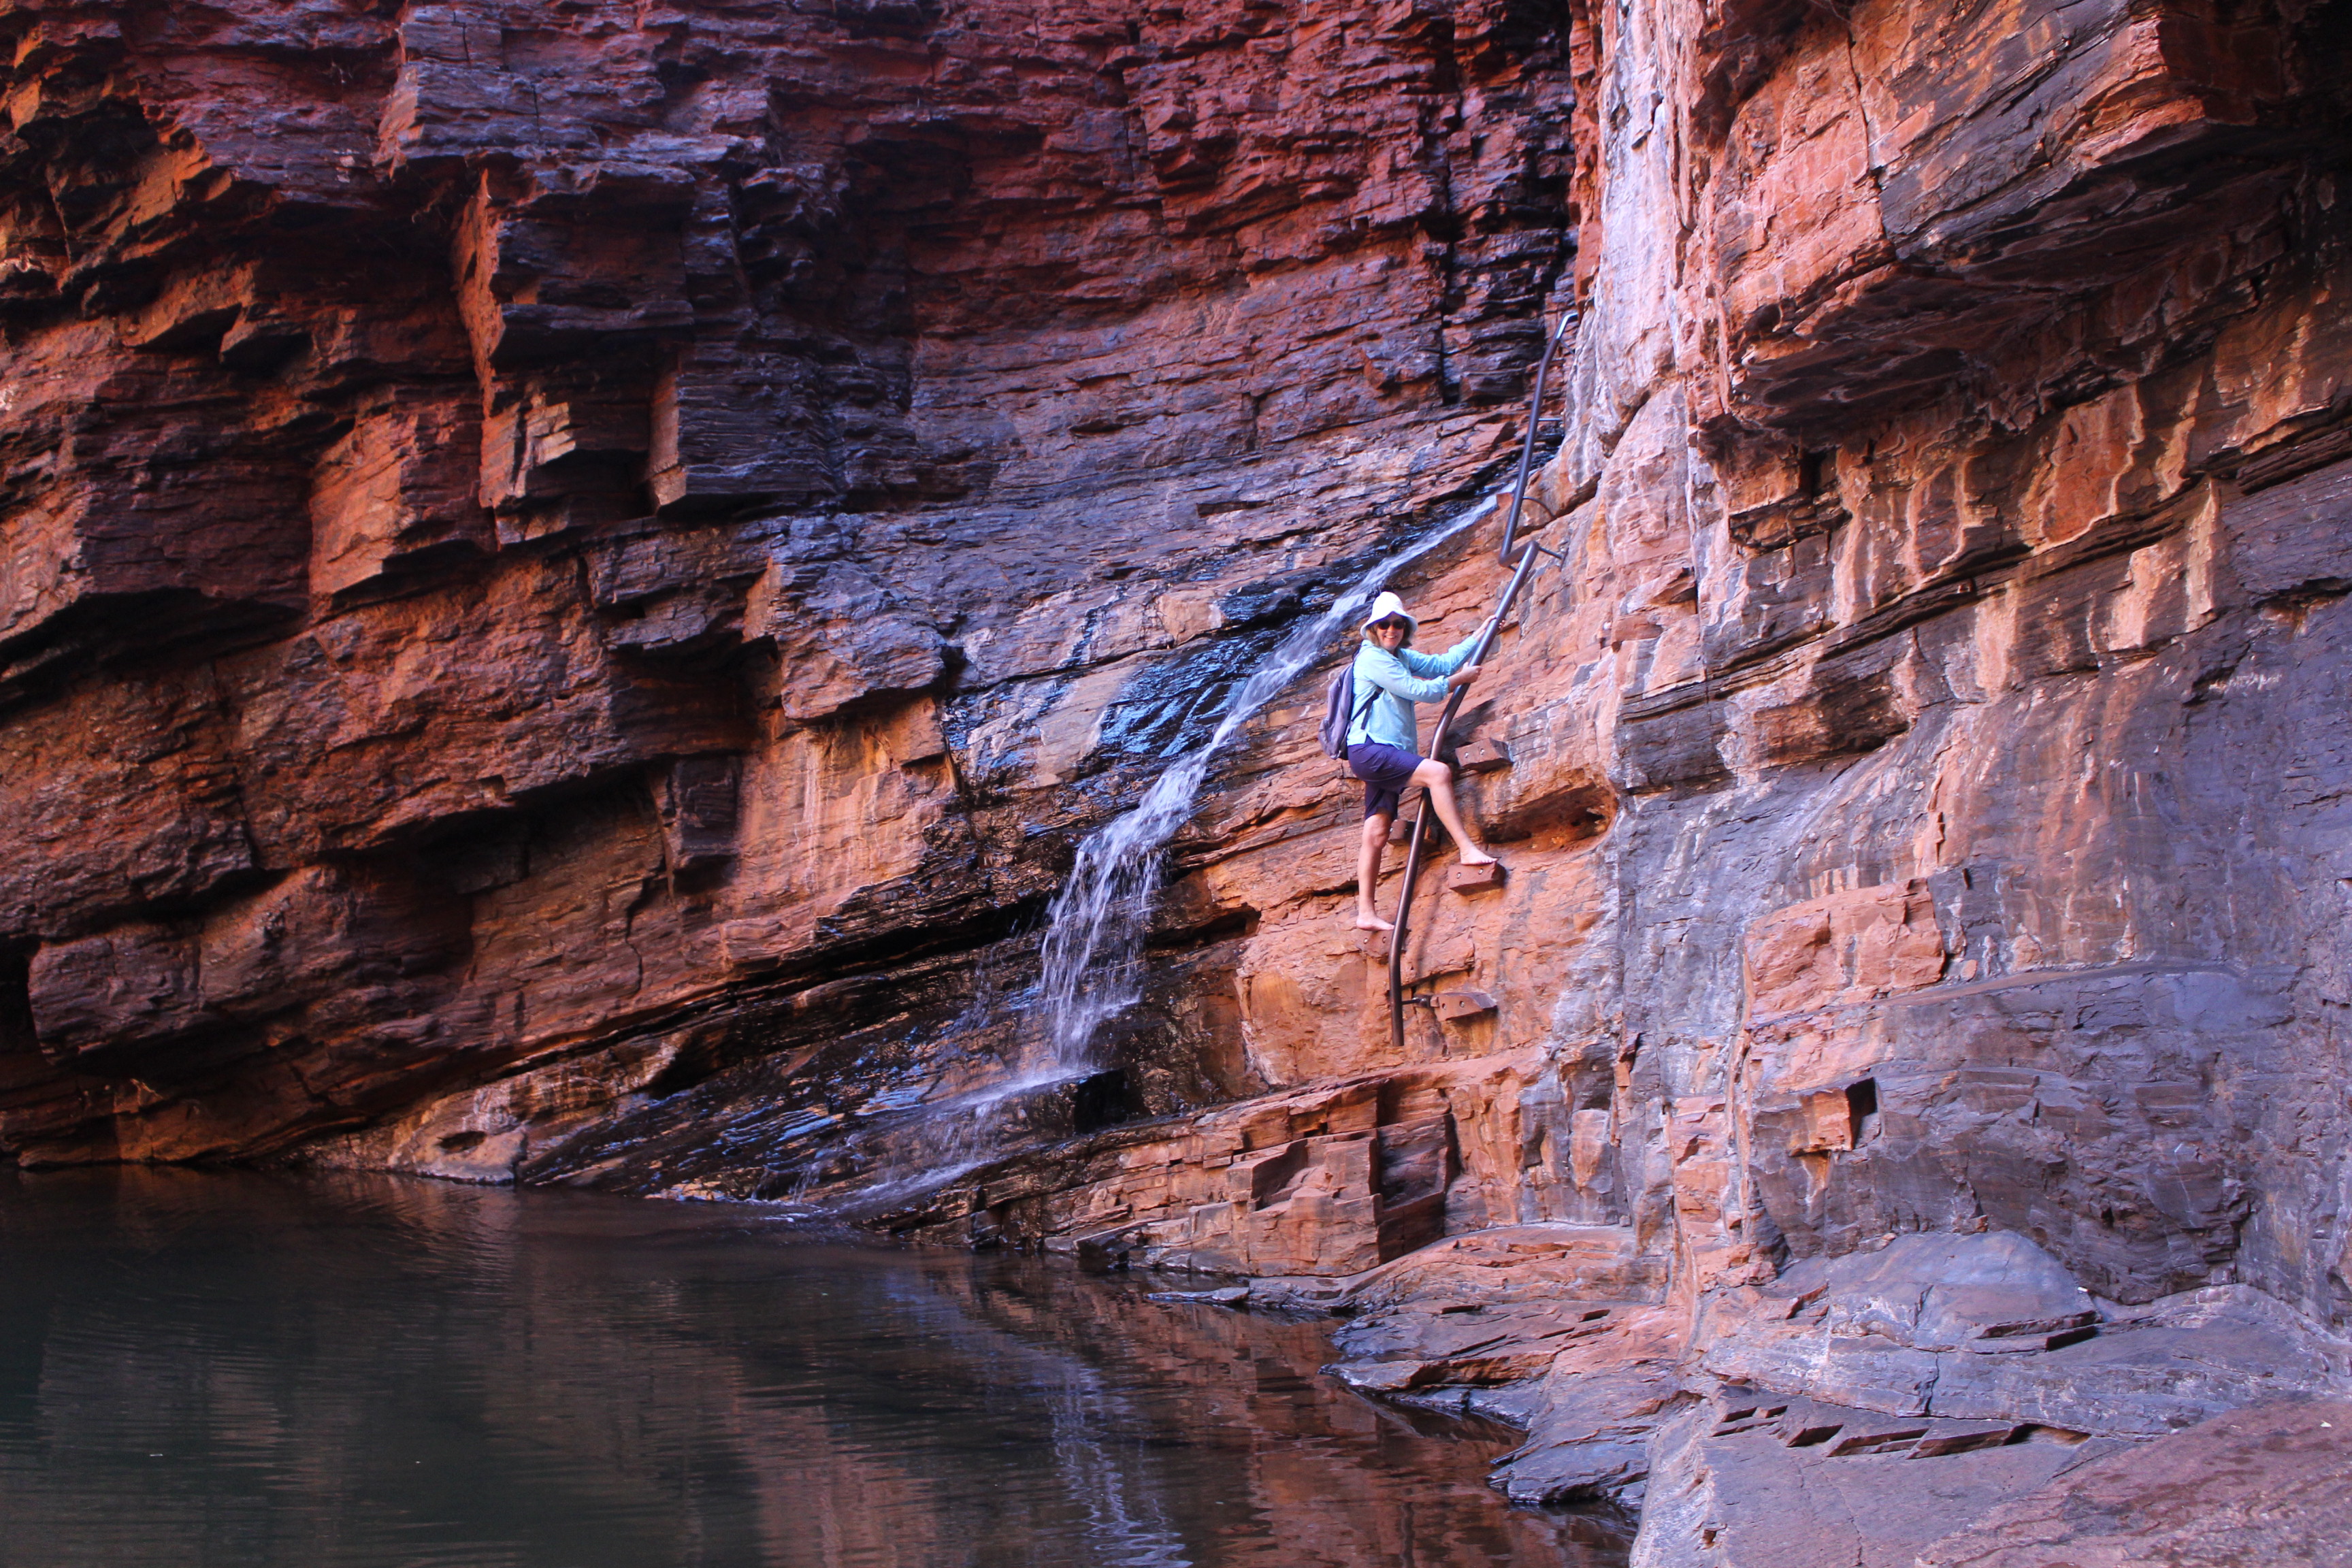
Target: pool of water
x,y
244,1371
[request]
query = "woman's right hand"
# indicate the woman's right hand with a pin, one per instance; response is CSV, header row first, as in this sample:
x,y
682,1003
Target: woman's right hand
x,y
1463,676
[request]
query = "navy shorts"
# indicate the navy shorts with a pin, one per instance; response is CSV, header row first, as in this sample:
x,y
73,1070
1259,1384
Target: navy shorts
x,y
1385,769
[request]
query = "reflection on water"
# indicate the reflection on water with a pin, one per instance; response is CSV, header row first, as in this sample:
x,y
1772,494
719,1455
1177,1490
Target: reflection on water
x,y
239,1372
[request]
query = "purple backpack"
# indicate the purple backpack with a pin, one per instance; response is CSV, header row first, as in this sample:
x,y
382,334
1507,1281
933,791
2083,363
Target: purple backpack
x,y
1339,710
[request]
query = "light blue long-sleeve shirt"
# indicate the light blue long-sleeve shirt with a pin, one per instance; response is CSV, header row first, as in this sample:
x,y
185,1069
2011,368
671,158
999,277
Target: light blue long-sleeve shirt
x,y
1401,678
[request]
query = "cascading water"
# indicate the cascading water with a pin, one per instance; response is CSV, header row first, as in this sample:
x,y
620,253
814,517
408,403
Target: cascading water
x,y
1094,939
1093,951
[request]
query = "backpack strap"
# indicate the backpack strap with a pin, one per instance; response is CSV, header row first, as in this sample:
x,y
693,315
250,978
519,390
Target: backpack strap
x,y
1353,719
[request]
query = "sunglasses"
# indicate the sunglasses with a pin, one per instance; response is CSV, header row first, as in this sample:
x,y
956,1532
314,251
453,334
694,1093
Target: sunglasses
x,y
1391,625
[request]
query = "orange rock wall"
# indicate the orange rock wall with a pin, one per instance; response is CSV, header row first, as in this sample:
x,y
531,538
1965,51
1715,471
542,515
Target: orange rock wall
x,y
578,536
596,682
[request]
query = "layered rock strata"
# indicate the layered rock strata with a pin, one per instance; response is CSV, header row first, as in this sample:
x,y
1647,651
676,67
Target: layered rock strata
x,y
630,537
574,576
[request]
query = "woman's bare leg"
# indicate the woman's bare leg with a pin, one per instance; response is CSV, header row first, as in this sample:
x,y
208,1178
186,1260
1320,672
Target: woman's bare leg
x,y
1438,780
1368,872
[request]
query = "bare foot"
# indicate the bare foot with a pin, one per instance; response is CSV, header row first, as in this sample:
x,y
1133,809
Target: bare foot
x,y
1371,922
1477,858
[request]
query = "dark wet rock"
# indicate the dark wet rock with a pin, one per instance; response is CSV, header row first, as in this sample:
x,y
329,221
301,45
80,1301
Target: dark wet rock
x,y
1224,1296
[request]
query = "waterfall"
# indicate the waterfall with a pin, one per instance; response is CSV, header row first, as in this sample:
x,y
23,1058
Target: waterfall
x,y
1093,950
1094,940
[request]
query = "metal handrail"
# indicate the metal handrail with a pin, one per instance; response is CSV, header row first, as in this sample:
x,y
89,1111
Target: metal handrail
x,y
1441,747
1527,444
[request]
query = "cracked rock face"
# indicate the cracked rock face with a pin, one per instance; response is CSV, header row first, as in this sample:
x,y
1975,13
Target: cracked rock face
x,y
574,573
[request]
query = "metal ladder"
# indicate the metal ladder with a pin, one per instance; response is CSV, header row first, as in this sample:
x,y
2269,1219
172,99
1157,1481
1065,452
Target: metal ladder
x,y
1441,747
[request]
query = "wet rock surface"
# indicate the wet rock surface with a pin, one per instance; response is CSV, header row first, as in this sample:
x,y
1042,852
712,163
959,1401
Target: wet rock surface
x,y
594,678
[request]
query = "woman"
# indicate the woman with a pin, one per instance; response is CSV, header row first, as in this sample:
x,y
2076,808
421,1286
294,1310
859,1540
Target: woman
x,y
1390,678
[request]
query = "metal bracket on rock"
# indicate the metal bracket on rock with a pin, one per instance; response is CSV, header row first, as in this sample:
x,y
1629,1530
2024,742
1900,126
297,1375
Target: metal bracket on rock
x,y
1559,556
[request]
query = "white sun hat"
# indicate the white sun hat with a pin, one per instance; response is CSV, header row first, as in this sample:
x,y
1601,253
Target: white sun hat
x,y
1389,604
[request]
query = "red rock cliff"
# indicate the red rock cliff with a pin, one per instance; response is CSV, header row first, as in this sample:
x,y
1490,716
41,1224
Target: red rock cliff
x,y
539,530
574,572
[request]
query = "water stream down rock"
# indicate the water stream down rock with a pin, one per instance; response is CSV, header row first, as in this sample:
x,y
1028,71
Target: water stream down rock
x,y
581,579
1097,924
1092,954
